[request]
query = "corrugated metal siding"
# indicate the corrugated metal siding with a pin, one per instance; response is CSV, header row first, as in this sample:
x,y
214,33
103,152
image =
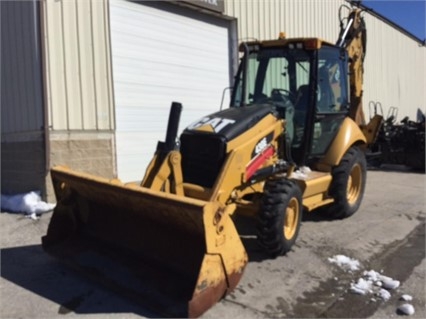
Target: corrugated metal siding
x,y
265,19
395,68
78,74
21,89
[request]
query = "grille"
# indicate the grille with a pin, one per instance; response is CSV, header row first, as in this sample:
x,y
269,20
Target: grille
x,y
203,155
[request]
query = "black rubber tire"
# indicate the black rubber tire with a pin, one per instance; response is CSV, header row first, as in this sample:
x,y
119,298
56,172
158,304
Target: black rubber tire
x,y
348,184
280,216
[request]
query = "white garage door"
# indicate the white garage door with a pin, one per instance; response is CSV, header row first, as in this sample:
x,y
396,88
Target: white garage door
x,y
159,57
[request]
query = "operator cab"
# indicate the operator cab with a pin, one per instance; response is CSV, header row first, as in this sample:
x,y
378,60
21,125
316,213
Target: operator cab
x,y
305,80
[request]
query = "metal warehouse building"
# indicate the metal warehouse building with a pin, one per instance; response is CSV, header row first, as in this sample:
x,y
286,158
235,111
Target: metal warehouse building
x,y
88,84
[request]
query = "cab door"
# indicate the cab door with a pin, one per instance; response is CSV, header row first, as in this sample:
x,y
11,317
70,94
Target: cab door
x,y
332,98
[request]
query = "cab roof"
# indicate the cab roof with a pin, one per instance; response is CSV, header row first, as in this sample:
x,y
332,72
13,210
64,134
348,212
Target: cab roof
x,y
306,43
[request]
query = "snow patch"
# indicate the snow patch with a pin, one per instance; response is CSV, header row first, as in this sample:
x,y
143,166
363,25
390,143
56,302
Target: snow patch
x,y
301,173
407,309
29,204
406,297
344,262
381,280
371,282
391,283
361,287
384,294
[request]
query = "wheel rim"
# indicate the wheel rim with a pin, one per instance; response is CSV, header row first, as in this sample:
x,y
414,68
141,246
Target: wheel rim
x,y
354,184
291,218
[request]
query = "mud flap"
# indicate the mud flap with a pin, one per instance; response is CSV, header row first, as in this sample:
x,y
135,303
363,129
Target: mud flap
x,y
175,255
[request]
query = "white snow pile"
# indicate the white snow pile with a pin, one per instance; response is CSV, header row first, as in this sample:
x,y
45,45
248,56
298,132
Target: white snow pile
x,y
372,283
301,173
29,204
375,283
383,294
406,309
406,297
344,262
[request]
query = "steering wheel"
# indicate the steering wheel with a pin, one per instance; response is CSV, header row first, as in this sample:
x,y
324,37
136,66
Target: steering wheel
x,y
282,95
283,101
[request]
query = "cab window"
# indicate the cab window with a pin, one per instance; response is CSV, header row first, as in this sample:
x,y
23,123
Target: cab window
x,y
331,98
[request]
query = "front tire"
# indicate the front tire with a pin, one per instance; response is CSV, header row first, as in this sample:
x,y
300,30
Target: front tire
x,y
280,216
348,184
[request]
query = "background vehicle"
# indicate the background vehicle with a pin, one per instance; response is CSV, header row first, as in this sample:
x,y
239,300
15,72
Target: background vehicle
x,y
292,141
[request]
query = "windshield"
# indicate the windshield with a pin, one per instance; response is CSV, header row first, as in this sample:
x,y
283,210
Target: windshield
x,y
275,75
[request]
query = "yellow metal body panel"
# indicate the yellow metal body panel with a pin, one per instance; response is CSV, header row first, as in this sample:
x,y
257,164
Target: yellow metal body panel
x,y
269,124
315,189
315,183
197,191
349,134
371,130
232,175
315,201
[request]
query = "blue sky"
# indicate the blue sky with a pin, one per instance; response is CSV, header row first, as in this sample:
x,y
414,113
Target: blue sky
x,y
409,14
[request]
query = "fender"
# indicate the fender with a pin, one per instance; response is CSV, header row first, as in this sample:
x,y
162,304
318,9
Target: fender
x,y
348,135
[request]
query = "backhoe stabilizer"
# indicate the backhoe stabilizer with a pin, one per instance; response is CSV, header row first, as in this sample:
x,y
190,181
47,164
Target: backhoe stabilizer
x,y
176,255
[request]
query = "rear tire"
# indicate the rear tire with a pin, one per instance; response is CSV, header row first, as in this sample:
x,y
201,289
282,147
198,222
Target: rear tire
x,y
280,216
348,184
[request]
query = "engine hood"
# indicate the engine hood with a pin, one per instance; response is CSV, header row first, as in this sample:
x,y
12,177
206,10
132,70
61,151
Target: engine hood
x,y
231,122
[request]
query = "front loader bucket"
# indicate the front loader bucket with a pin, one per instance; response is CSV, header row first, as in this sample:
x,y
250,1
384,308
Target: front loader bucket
x,y
176,255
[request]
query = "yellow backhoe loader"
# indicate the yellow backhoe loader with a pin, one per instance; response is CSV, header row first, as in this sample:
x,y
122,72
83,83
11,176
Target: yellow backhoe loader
x,y
291,141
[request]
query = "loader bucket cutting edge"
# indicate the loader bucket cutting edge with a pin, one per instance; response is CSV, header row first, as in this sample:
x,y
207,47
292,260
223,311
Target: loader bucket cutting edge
x,y
159,249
